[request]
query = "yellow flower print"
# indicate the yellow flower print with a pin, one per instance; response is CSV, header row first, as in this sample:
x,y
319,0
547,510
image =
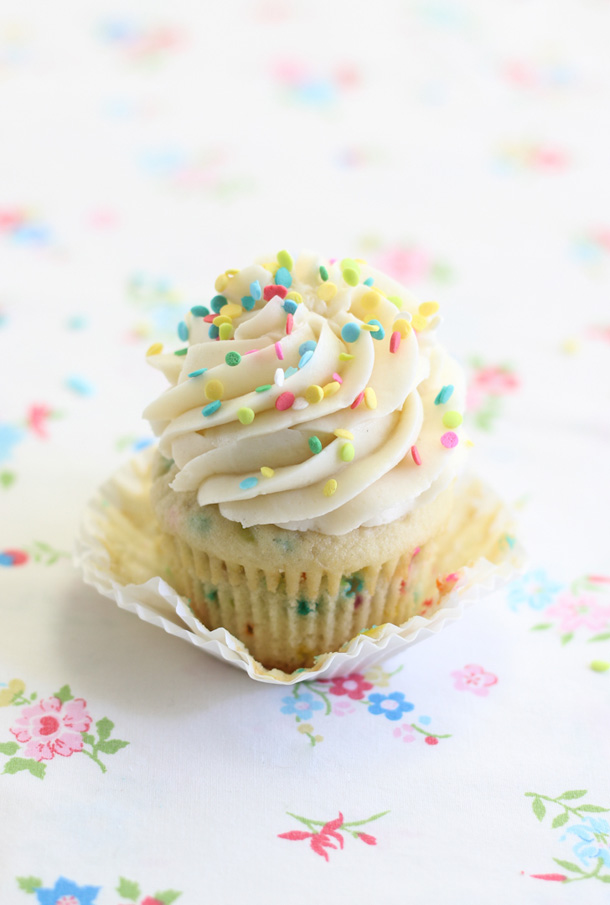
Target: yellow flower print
x,y
7,695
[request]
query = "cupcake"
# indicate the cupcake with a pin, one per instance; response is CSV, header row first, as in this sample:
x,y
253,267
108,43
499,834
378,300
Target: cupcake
x,y
309,443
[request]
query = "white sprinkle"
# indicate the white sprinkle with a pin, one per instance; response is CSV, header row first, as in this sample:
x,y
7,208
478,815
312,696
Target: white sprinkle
x,y
406,314
300,403
278,377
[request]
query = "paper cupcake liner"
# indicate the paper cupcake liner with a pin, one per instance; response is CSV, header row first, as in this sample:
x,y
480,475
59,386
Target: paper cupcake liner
x,y
117,552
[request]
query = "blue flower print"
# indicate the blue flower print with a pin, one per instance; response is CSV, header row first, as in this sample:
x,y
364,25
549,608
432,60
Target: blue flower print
x,y
391,705
535,589
68,891
9,437
592,840
303,706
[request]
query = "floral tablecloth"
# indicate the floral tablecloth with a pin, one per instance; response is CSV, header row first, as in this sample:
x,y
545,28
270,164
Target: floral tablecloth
x,y
459,145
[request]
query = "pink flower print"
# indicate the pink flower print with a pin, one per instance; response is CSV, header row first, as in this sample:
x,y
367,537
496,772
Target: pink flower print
x,y
583,611
405,731
490,381
50,727
474,678
342,708
354,686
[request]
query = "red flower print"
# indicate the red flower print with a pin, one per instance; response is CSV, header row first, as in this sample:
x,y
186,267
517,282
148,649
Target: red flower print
x,y
354,686
558,877
473,678
50,727
370,840
319,841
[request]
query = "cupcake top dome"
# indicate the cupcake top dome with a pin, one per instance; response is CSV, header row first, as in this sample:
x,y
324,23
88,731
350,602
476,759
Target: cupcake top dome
x,y
312,394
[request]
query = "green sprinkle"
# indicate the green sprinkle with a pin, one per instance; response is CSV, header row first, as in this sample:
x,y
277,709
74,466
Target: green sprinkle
x,y
323,273
347,452
452,419
315,445
218,302
232,358
266,386
284,259
600,666
200,311
395,301
245,415
351,276
181,351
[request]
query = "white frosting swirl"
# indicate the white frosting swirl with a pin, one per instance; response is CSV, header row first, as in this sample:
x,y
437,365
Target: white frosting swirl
x,y
219,457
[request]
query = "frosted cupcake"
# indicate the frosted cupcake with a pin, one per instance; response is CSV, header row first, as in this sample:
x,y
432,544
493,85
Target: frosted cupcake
x,y
309,443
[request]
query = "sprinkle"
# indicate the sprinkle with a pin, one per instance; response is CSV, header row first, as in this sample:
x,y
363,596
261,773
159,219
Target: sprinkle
x,y
350,332
245,415
315,444
289,324
323,273
231,273
214,389
305,357
347,452
183,331
395,341
80,385
337,377
419,322
407,316
444,395
271,266
416,455
314,393
232,359
211,408
213,331
396,300
221,283
452,419
330,487
369,328
278,378
599,666
250,351
370,300
218,302
449,440
357,400
345,435
427,309
283,277
271,291
284,259
248,302
180,351
351,276
278,351
327,291
294,296
370,398
306,346
221,319
349,262
200,310
232,310
226,331
331,388
403,326
155,349
210,318
300,403
345,356
290,371
290,306
248,483
380,332
198,373
265,386
255,290
267,472
284,401
369,281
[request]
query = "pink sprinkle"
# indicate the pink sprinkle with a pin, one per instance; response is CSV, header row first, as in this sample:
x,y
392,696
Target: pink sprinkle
x,y
453,576
337,377
415,454
270,292
331,260
357,400
289,323
284,401
450,439
395,341
278,351
416,551
250,351
210,317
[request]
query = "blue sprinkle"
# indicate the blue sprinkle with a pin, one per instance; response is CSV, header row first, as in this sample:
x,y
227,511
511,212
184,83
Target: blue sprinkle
x,y
304,347
350,332
444,395
213,332
377,334
6,560
255,290
183,331
80,385
211,408
305,357
198,373
218,302
289,306
283,277
369,282
248,483
248,302
290,371
200,311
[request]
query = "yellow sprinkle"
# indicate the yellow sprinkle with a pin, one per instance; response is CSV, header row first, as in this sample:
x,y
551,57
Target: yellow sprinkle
x,y
369,327
155,349
469,443
343,433
272,267
427,309
214,390
419,322
359,260
331,388
370,300
231,273
221,283
327,291
403,326
370,398
226,331
232,310
396,300
267,472
295,296
221,319
330,487
345,356
314,393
